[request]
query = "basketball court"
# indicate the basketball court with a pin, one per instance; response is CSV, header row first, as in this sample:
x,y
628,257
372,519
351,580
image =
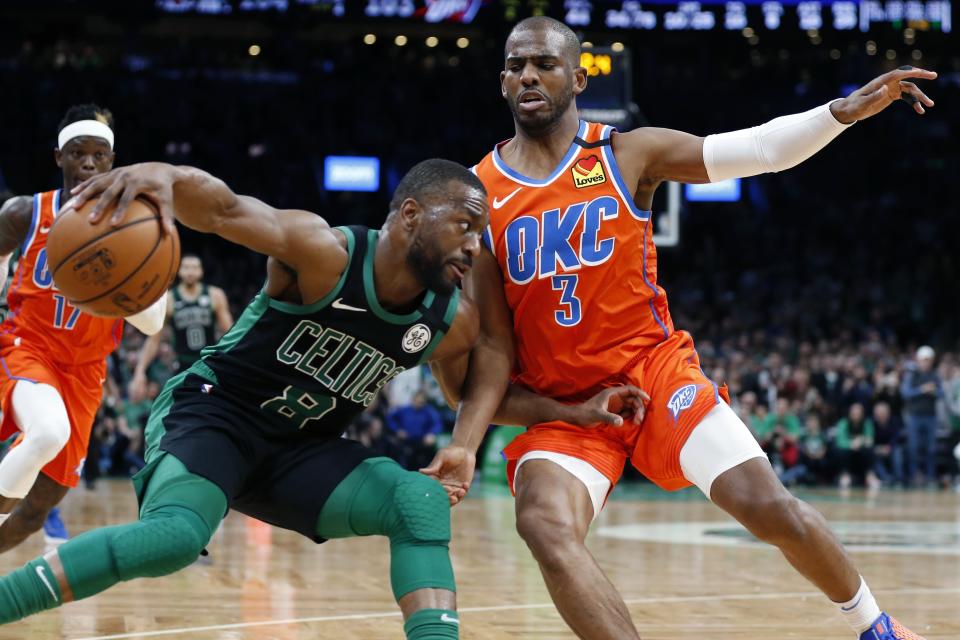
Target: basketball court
x,y
685,569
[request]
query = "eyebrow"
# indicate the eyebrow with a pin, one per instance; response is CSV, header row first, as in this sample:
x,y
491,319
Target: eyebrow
x,y
540,58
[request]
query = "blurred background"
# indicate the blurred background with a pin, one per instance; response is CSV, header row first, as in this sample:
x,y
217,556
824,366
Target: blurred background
x,y
808,292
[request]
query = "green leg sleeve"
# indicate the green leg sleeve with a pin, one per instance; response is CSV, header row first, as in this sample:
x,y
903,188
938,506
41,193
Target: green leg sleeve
x,y
179,514
28,590
432,624
380,498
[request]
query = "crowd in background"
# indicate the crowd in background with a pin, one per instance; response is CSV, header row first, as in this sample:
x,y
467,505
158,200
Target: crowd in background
x,y
811,297
863,413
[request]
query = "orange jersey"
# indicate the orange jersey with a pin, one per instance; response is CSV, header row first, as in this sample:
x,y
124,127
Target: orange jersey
x,y
40,318
579,267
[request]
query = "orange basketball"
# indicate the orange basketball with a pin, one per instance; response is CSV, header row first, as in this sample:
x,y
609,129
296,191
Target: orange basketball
x,y
112,271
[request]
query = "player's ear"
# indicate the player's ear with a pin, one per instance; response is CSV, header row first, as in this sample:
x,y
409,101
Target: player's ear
x,y
579,80
503,87
58,157
409,214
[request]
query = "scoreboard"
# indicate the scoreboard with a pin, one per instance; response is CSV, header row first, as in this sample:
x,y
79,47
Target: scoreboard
x,y
736,15
669,15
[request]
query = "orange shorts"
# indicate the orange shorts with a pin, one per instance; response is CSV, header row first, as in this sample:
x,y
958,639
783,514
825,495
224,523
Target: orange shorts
x,y
80,386
680,396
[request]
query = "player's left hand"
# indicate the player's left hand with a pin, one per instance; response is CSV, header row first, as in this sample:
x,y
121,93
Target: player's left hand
x,y
611,406
453,468
881,92
152,181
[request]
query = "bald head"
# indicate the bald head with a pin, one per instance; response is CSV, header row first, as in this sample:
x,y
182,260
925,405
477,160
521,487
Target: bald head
x,y
570,42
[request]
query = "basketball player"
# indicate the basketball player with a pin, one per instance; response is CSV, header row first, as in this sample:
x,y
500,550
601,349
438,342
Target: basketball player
x,y
255,424
192,306
53,356
571,245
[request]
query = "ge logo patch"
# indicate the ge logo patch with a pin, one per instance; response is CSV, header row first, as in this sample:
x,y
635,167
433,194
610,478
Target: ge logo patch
x,y
416,338
682,399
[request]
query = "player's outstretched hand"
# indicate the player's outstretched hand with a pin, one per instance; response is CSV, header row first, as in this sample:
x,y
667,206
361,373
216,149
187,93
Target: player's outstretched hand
x,y
453,468
881,92
152,181
612,406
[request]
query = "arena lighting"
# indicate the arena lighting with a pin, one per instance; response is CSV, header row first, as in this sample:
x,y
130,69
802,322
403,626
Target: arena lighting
x,y
369,39
725,191
254,50
617,46
400,40
463,43
351,173
433,41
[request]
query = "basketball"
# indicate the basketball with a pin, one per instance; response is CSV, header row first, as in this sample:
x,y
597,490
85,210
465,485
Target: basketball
x,y
112,271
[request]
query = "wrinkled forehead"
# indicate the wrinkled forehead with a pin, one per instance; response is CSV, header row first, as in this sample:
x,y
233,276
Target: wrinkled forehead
x,y
475,202
458,196
534,43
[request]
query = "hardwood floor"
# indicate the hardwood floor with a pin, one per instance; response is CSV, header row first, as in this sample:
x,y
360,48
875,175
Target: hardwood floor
x,y
686,570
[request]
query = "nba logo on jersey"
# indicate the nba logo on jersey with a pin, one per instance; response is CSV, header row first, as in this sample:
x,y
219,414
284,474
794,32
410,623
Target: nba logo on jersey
x,y
682,399
588,172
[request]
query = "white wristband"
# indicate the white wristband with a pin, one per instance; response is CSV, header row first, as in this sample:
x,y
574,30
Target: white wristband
x,y
151,319
782,143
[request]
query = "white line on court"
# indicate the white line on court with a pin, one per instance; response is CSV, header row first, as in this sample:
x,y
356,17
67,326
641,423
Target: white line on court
x,y
506,607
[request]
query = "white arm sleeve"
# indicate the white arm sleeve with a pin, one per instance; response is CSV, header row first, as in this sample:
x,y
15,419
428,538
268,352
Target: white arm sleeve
x,y
151,319
774,146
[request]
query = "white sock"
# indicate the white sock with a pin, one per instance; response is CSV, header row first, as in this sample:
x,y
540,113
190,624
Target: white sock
x,y
861,610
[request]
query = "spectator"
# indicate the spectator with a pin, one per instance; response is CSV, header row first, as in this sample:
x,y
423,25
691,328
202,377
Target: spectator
x,y
747,410
857,387
813,463
887,447
415,428
779,434
920,389
854,439
952,401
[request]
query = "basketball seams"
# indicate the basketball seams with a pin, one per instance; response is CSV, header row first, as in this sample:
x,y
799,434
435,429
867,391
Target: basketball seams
x,y
133,272
97,239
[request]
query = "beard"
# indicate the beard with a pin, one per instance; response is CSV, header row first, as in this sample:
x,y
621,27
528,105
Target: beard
x,y
429,267
543,122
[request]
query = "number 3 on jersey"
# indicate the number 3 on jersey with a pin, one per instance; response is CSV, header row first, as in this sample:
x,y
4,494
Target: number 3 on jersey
x,y
569,313
299,406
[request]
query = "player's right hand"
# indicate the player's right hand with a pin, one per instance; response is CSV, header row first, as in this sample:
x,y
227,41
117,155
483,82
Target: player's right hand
x,y
152,181
453,468
611,406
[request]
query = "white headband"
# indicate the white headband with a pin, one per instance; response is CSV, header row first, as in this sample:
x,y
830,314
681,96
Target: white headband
x,y
93,128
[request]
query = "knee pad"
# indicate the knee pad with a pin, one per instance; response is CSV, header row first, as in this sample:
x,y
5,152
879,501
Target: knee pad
x,y
421,510
415,516
413,511
169,540
45,439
